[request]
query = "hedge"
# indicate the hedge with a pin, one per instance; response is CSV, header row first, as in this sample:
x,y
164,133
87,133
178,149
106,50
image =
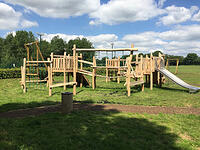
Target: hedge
x,y
16,72
10,73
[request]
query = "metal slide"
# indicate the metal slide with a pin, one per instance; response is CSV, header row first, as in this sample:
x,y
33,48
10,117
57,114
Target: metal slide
x,y
177,80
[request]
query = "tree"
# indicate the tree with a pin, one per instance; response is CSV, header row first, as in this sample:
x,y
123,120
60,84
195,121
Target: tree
x,y
45,49
1,48
156,53
81,43
191,59
13,48
58,45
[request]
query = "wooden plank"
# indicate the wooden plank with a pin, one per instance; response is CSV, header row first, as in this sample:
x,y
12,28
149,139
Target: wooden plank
x,y
136,83
86,62
74,68
62,84
38,61
111,50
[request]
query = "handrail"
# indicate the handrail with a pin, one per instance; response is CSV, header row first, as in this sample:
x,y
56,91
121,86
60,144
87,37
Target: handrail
x,y
86,62
38,61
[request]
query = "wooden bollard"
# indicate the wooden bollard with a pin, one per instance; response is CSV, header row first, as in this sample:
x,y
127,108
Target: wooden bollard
x,y
67,102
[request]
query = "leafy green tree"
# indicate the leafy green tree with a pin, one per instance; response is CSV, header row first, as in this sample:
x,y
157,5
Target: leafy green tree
x,y
58,45
156,53
1,48
20,39
45,48
191,59
81,43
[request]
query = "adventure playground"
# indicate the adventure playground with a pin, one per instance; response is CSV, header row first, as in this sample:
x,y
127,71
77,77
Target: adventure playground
x,y
150,70
65,101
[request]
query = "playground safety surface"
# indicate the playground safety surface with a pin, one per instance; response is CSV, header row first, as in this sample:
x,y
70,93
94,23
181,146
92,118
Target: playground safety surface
x,y
101,107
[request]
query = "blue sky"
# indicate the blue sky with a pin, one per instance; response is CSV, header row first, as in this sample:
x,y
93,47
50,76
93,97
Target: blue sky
x,y
172,26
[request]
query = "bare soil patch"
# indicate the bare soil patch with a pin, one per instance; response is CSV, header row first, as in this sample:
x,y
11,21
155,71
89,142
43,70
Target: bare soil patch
x,y
101,107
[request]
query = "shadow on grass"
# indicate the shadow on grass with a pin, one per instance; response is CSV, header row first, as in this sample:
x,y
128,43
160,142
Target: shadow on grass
x,y
15,106
81,129
174,89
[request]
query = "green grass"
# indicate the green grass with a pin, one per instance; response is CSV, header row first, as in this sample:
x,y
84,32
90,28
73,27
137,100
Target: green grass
x,y
12,97
101,130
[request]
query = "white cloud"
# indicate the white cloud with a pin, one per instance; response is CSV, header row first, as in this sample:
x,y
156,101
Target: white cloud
x,y
119,11
11,19
28,24
177,15
161,3
196,17
99,41
58,8
177,41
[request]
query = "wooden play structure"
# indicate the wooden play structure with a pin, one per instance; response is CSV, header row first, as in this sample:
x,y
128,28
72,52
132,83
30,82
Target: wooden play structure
x,y
143,68
172,59
133,70
34,66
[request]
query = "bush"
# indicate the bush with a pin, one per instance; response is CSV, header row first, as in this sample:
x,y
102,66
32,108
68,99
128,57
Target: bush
x,y
10,73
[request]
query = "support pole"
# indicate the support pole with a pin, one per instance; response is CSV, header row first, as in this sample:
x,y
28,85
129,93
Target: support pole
x,y
118,73
24,75
177,63
48,59
64,69
94,73
128,76
81,66
74,69
106,70
51,75
151,74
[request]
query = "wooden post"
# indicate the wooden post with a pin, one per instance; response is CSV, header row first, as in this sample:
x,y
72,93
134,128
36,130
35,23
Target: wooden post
x,y
167,63
128,76
136,58
68,66
151,74
24,75
106,70
74,69
94,73
48,59
64,69
141,64
51,75
118,72
81,66
132,46
177,62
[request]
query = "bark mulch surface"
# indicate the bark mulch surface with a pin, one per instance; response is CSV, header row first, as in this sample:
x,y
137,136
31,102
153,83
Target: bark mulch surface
x,y
98,107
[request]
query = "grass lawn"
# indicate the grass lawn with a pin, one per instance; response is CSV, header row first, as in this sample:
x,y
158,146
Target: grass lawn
x,y
101,130
12,97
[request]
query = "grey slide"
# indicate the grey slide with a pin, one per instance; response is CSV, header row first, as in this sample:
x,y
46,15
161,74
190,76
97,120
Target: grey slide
x,y
177,80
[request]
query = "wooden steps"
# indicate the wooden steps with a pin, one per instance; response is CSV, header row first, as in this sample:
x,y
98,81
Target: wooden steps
x,y
84,79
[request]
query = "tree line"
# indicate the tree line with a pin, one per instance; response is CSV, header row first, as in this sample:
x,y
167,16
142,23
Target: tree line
x,y
12,50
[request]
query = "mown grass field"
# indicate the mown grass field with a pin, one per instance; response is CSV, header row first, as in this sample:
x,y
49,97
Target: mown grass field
x,y
12,97
102,129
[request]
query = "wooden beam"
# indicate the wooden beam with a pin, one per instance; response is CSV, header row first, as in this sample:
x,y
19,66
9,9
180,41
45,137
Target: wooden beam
x,y
74,69
108,50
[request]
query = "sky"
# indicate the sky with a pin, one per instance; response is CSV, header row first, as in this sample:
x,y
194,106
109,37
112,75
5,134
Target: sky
x,y
172,26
